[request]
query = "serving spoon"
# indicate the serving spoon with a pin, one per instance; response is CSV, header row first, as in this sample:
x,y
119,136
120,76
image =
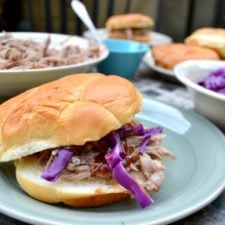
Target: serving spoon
x,y
81,11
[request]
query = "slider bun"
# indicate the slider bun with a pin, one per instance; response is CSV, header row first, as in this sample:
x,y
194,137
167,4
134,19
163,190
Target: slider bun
x,y
132,20
209,37
87,193
70,111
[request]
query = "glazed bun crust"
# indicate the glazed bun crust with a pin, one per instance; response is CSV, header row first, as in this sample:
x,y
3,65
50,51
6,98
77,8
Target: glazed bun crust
x,y
168,55
70,111
213,38
132,20
89,193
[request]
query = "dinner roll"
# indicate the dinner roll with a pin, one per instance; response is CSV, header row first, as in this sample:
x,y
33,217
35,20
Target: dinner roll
x,y
213,38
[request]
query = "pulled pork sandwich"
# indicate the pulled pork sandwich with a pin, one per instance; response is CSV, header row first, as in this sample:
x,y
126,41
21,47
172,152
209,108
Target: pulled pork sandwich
x,y
75,140
133,26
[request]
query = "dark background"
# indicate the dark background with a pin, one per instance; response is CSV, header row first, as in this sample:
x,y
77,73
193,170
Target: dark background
x,y
177,18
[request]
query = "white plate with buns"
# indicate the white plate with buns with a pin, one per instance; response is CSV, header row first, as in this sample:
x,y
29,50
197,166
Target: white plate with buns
x,y
165,73
163,58
156,38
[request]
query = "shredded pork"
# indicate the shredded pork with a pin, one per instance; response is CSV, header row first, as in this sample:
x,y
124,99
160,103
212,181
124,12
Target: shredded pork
x,y
88,161
27,54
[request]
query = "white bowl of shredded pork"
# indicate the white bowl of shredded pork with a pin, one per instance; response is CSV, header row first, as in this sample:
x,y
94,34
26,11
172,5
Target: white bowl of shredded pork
x,y
28,59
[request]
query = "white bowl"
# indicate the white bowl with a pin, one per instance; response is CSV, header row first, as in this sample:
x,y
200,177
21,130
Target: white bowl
x,y
208,103
13,82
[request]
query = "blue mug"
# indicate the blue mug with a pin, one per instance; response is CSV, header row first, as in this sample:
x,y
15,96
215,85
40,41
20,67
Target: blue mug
x,y
124,57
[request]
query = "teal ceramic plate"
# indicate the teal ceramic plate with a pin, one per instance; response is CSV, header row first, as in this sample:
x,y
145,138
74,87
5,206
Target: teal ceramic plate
x,y
192,181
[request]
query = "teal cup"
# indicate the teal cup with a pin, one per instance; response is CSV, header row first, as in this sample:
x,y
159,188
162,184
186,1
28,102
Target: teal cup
x,y
124,57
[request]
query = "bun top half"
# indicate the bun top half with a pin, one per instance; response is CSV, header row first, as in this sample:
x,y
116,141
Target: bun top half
x,y
131,20
209,37
70,111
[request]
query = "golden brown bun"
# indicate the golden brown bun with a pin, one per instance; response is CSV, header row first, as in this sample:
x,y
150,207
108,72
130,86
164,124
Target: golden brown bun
x,y
209,37
69,111
87,193
168,55
132,20
140,38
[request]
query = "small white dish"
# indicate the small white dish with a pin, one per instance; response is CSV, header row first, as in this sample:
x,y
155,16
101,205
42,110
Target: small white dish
x,y
206,102
13,82
156,38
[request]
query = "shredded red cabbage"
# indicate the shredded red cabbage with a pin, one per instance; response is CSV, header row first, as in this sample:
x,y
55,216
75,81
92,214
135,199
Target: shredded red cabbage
x,y
114,158
215,81
115,162
149,133
125,131
128,130
124,178
61,160
139,129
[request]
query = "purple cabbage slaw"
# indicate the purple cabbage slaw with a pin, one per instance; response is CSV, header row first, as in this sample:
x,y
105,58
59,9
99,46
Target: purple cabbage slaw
x,y
215,81
61,160
148,134
141,131
115,162
114,159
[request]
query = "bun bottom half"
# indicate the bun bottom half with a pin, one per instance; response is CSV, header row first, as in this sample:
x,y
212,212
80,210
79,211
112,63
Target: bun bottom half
x,y
139,38
85,193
